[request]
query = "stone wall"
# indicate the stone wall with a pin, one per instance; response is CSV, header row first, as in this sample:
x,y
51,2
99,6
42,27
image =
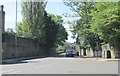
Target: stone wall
x,y
19,47
23,48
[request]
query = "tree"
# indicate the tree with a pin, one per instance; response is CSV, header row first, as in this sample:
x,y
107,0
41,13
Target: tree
x,y
82,26
62,34
99,20
33,14
105,22
51,30
10,31
38,24
22,30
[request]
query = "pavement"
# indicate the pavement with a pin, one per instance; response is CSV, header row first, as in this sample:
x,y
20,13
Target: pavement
x,y
102,59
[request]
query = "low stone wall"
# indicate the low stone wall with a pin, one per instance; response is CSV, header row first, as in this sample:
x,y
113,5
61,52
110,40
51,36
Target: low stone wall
x,y
23,48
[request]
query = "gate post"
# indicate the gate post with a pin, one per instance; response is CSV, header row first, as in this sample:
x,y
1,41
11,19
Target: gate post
x,y
2,22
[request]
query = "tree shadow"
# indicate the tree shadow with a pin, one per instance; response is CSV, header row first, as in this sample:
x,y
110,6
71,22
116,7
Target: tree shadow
x,y
20,61
14,62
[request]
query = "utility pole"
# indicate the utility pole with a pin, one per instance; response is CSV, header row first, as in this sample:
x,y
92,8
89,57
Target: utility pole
x,y
16,36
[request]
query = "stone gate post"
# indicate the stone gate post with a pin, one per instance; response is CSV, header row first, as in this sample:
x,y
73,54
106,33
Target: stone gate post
x,y
2,22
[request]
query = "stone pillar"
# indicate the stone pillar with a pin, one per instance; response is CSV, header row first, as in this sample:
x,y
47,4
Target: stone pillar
x,y
2,22
2,19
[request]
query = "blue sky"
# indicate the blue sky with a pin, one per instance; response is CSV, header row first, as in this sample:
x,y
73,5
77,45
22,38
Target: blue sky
x,y
57,8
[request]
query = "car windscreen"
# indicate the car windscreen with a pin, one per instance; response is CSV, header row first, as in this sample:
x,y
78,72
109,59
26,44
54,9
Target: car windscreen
x,y
69,51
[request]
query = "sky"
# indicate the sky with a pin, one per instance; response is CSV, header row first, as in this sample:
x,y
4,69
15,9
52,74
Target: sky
x,y
54,7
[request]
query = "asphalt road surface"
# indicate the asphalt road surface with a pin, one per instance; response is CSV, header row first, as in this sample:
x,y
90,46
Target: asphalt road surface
x,y
61,65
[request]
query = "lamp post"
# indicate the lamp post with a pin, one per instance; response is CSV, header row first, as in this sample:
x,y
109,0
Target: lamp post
x,y
16,36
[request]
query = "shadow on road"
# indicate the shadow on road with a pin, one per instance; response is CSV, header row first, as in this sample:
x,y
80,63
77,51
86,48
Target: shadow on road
x,y
59,55
19,61
14,62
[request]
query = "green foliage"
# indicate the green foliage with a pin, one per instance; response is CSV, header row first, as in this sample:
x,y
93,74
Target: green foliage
x,y
37,24
106,21
99,20
33,18
51,30
82,27
22,30
61,32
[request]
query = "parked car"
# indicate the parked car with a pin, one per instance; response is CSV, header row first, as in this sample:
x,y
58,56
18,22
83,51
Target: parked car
x,y
71,53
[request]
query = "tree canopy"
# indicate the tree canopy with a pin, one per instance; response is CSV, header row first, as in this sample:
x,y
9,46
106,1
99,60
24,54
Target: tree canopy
x,y
37,24
98,20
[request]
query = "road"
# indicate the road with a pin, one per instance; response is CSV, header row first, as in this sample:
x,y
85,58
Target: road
x,y
61,65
